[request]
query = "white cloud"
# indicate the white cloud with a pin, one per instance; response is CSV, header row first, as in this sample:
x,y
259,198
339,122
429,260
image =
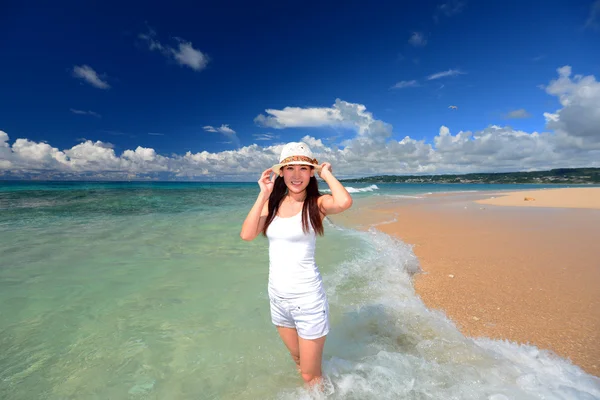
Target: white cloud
x,y
502,147
341,114
92,156
405,84
152,43
227,132
443,74
594,13
156,134
5,152
449,9
574,141
265,136
517,114
185,53
579,116
226,129
88,74
417,39
36,155
295,117
82,112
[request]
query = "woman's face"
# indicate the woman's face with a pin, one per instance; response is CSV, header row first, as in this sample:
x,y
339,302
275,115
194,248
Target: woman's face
x,y
297,177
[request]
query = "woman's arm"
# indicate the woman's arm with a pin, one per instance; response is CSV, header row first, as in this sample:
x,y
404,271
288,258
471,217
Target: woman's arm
x,y
340,200
255,221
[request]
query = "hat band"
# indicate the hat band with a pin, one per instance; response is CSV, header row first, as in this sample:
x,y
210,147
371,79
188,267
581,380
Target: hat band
x,y
299,158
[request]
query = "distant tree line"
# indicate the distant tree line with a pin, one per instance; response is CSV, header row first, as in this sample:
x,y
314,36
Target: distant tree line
x,y
559,176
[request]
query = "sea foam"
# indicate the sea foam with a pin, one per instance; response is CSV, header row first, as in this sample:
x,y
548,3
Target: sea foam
x,y
351,189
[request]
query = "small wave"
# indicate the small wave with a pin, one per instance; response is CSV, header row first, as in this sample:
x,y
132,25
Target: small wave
x,y
351,189
387,222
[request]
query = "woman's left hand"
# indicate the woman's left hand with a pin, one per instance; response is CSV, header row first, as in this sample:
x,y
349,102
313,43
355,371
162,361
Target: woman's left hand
x,y
325,168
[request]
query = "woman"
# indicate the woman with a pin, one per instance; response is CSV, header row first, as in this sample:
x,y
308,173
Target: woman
x,y
289,211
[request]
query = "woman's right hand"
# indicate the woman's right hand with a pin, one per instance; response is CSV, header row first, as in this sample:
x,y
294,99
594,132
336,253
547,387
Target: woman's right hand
x,y
265,182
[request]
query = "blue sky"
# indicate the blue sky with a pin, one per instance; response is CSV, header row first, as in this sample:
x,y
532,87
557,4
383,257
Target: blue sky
x,y
194,76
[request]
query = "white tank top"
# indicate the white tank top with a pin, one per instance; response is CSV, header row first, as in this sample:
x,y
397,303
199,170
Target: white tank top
x,y
293,272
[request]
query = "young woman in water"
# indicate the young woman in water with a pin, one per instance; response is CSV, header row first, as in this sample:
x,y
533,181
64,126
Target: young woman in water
x,y
289,211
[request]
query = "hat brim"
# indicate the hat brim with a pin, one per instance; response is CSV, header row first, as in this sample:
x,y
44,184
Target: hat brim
x,y
277,167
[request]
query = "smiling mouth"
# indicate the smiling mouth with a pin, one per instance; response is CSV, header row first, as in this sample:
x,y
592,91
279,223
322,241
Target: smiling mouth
x,y
296,182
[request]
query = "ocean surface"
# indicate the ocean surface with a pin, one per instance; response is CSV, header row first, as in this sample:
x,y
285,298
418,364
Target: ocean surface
x,y
146,291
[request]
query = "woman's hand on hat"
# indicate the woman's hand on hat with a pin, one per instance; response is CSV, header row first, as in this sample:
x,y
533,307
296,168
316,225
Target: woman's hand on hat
x,y
265,182
325,169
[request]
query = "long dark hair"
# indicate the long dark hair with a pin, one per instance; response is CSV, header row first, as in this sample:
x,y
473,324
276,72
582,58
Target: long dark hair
x,y
310,208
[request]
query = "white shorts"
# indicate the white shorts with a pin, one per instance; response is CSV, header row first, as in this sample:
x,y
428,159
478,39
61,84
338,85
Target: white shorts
x,y
309,315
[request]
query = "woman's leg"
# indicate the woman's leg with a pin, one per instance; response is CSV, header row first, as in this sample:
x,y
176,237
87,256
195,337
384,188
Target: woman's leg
x,y
311,354
290,338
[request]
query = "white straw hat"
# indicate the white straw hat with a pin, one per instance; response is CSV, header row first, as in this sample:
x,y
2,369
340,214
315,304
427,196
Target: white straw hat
x,y
296,153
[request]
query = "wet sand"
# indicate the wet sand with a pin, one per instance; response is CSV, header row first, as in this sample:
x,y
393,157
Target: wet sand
x,y
525,274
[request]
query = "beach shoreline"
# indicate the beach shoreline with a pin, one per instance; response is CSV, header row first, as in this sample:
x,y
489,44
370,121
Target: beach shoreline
x,y
503,267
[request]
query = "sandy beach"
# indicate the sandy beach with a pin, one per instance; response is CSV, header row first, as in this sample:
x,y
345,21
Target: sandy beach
x,y
562,198
505,268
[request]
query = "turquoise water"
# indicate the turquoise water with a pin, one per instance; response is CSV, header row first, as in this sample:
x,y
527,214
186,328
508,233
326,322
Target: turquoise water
x,y
146,291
